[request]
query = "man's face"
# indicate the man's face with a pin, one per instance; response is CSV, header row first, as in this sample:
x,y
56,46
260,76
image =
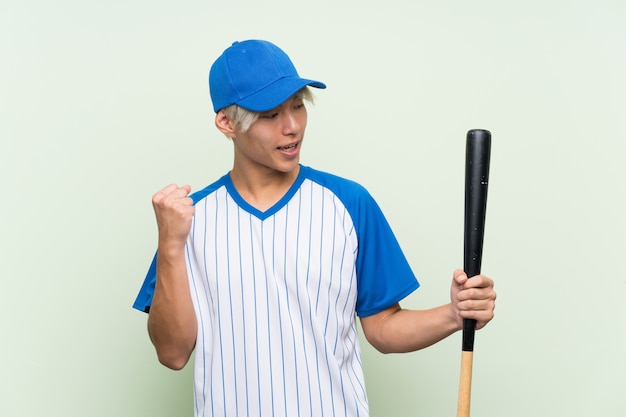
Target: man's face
x,y
273,142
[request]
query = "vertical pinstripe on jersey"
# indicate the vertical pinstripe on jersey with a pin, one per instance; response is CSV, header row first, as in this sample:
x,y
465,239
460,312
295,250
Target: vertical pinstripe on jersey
x,y
275,300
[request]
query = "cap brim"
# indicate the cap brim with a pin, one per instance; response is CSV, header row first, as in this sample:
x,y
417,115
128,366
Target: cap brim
x,y
276,93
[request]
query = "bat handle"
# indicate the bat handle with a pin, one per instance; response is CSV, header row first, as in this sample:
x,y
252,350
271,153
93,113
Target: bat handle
x,y
467,360
465,386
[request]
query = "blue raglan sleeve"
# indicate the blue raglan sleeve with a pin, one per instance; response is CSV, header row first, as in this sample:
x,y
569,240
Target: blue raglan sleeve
x,y
384,276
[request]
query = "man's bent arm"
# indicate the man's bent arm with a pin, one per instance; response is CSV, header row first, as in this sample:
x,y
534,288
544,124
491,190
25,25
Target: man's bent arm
x,y
396,330
172,321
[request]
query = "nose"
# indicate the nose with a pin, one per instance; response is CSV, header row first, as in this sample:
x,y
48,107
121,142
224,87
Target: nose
x,y
292,123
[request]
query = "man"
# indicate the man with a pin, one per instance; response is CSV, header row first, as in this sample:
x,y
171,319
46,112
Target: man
x,y
264,271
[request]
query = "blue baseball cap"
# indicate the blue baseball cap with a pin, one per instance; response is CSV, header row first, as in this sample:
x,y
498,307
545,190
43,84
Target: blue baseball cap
x,y
256,75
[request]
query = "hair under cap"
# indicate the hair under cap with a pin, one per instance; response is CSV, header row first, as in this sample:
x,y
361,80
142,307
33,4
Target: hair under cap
x,y
256,75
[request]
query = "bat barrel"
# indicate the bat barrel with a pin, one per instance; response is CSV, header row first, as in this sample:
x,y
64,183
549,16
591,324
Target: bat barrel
x,y
478,152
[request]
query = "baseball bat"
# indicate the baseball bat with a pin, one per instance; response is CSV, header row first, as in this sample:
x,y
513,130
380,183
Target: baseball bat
x,y
477,156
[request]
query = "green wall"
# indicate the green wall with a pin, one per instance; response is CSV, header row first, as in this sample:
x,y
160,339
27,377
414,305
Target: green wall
x,y
102,103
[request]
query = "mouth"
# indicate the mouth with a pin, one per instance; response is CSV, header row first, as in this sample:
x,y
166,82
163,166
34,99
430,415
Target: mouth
x,y
288,148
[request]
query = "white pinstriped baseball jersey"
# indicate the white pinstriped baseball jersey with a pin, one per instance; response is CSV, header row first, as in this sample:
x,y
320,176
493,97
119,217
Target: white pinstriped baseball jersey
x,y
276,292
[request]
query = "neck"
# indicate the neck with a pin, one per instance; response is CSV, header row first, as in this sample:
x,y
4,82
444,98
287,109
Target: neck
x,y
263,189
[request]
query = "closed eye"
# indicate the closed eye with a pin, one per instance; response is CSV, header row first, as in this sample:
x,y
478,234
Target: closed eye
x,y
298,102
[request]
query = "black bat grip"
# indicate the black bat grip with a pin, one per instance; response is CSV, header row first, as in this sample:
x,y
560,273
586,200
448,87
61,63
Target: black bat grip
x,y
477,156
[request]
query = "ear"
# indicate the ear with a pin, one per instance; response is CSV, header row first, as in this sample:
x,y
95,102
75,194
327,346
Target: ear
x,y
224,124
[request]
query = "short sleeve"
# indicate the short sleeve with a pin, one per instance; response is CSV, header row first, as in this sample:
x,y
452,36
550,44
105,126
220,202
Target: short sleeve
x,y
384,276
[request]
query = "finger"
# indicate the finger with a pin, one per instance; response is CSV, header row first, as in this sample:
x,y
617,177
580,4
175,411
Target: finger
x,y
479,281
473,307
172,194
183,191
470,296
460,278
164,192
182,196
175,192
476,304
478,287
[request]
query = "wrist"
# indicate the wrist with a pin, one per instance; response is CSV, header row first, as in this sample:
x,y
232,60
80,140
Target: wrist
x,y
169,248
454,317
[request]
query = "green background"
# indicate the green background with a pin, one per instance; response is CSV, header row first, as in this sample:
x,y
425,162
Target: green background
x,y
103,103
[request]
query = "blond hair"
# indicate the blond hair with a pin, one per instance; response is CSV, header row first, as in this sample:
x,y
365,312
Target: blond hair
x,y
244,118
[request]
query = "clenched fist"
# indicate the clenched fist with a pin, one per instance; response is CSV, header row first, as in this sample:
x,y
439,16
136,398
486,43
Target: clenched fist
x,y
472,298
174,212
